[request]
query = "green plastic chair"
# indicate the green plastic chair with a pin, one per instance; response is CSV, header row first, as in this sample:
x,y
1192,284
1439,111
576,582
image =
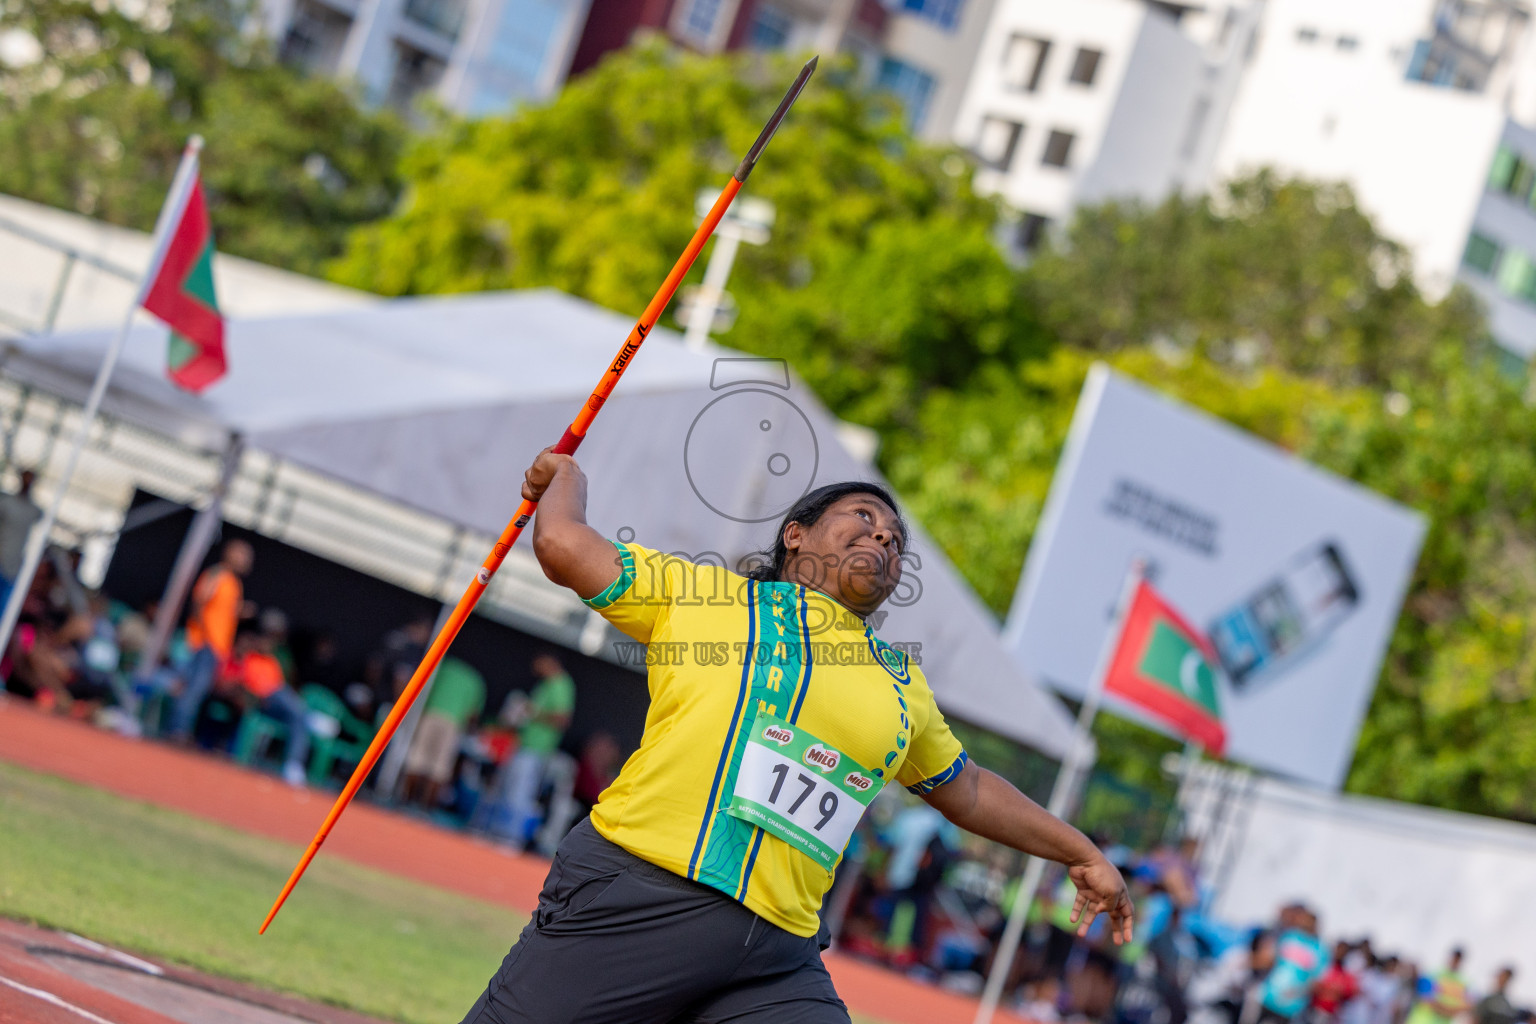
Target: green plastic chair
x,y
347,746
256,731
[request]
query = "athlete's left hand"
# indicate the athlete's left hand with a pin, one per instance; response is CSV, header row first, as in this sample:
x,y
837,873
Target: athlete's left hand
x,y
1100,889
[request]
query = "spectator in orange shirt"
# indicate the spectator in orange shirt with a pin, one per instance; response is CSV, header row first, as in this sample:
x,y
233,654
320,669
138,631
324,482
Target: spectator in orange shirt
x,y
257,673
217,601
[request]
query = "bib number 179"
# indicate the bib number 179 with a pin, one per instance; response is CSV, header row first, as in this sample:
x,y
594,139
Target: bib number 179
x,y
805,792
827,805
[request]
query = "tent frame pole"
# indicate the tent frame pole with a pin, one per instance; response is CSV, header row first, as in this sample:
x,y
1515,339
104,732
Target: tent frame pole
x,y
194,548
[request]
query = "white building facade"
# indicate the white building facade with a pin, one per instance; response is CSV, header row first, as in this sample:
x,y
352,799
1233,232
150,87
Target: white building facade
x,y
1409,102
1424,107
473,56
1096,99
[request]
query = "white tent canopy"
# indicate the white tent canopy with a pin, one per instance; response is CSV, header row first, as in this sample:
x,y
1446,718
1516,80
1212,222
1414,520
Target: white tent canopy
x,y
441,403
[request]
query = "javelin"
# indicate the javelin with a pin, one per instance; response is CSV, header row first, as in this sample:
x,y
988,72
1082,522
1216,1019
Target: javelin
x,y
569,442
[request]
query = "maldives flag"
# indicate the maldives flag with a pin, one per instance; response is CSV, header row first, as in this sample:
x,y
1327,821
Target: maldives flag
x,y
181,294
1166,667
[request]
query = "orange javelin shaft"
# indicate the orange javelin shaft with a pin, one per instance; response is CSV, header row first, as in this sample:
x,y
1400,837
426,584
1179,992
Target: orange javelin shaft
x,y
567,445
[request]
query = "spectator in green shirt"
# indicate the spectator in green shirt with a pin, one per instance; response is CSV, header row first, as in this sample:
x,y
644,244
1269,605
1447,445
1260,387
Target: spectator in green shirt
x,y
541,720
453,705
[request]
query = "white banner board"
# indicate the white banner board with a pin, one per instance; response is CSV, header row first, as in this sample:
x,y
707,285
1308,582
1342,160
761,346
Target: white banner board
x,y
1296,575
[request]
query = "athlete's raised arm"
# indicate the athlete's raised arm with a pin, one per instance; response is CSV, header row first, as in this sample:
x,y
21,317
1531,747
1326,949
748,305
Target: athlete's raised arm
x,y
983,802
569,551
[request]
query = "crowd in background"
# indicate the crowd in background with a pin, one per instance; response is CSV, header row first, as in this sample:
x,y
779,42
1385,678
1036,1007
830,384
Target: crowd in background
x,y
917,894
230,679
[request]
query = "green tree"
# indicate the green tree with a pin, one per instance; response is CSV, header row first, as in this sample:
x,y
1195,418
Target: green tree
x,y
1264,271
880,281
97,124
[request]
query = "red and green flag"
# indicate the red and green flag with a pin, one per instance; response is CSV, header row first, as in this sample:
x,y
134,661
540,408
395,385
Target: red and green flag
x,y
180,291
1167,668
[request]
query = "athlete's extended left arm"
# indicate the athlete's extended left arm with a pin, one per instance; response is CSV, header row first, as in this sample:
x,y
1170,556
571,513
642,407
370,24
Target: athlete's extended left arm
x,y
982,802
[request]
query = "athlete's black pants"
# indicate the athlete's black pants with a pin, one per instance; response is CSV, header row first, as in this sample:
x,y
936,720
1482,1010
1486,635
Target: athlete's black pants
x,y
617,939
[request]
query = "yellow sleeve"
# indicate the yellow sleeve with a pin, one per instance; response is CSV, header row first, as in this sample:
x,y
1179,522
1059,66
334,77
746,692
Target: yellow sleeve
x,y
650,583
934,756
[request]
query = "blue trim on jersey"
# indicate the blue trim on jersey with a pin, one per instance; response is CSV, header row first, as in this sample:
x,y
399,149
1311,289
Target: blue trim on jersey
x,y
947,775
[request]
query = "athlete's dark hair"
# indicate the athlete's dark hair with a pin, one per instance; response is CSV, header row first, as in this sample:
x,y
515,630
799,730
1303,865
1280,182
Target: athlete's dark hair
x,y
811,507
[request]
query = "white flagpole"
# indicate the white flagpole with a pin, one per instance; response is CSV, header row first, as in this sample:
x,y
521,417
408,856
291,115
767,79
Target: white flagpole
x,y
1077,761
37,541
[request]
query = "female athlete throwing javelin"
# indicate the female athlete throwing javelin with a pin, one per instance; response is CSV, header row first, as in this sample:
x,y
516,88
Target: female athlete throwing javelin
x,y
692,891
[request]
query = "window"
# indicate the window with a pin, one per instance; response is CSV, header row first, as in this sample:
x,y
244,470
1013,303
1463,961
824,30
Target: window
x,y
1347,43
1058,149
770,29
697,22
1517,275
1501,175
912,86
997,142
1482,254
1031,232
444,17
1306,35
1024,63
1085,65
415,73
943,13
1513,175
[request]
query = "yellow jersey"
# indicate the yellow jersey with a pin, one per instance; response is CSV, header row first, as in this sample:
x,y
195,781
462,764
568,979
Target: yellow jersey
x,y
722,648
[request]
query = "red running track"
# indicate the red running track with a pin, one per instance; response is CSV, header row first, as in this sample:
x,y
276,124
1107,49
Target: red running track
x,y
217,790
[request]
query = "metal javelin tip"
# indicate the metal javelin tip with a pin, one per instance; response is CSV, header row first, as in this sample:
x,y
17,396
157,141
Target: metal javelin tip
x,y
750,160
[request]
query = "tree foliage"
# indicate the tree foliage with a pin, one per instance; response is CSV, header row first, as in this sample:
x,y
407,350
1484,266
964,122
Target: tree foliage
x,y
880,280
97,123
1264,271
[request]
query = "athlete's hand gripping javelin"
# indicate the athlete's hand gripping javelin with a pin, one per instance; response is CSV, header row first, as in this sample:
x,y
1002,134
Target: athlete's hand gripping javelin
x,y
977,800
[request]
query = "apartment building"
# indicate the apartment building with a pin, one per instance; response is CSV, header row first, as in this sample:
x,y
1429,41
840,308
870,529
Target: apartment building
x,y
1425,108
1076,103
474,56
922,51
1498,261
482,56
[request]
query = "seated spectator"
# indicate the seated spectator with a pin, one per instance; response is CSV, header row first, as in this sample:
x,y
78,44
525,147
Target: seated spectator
x,y
44,663
453,705
258,677
1041,1000
596,769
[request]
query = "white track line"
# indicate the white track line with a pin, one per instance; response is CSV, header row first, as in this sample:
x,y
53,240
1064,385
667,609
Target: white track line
x,y
49,997
118,955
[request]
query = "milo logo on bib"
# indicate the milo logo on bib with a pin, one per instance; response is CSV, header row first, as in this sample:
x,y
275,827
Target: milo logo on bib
x,y
778,734
862,783
820,758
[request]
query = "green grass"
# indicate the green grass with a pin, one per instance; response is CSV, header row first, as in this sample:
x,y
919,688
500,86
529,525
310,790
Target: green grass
x,y
170,885
158,882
